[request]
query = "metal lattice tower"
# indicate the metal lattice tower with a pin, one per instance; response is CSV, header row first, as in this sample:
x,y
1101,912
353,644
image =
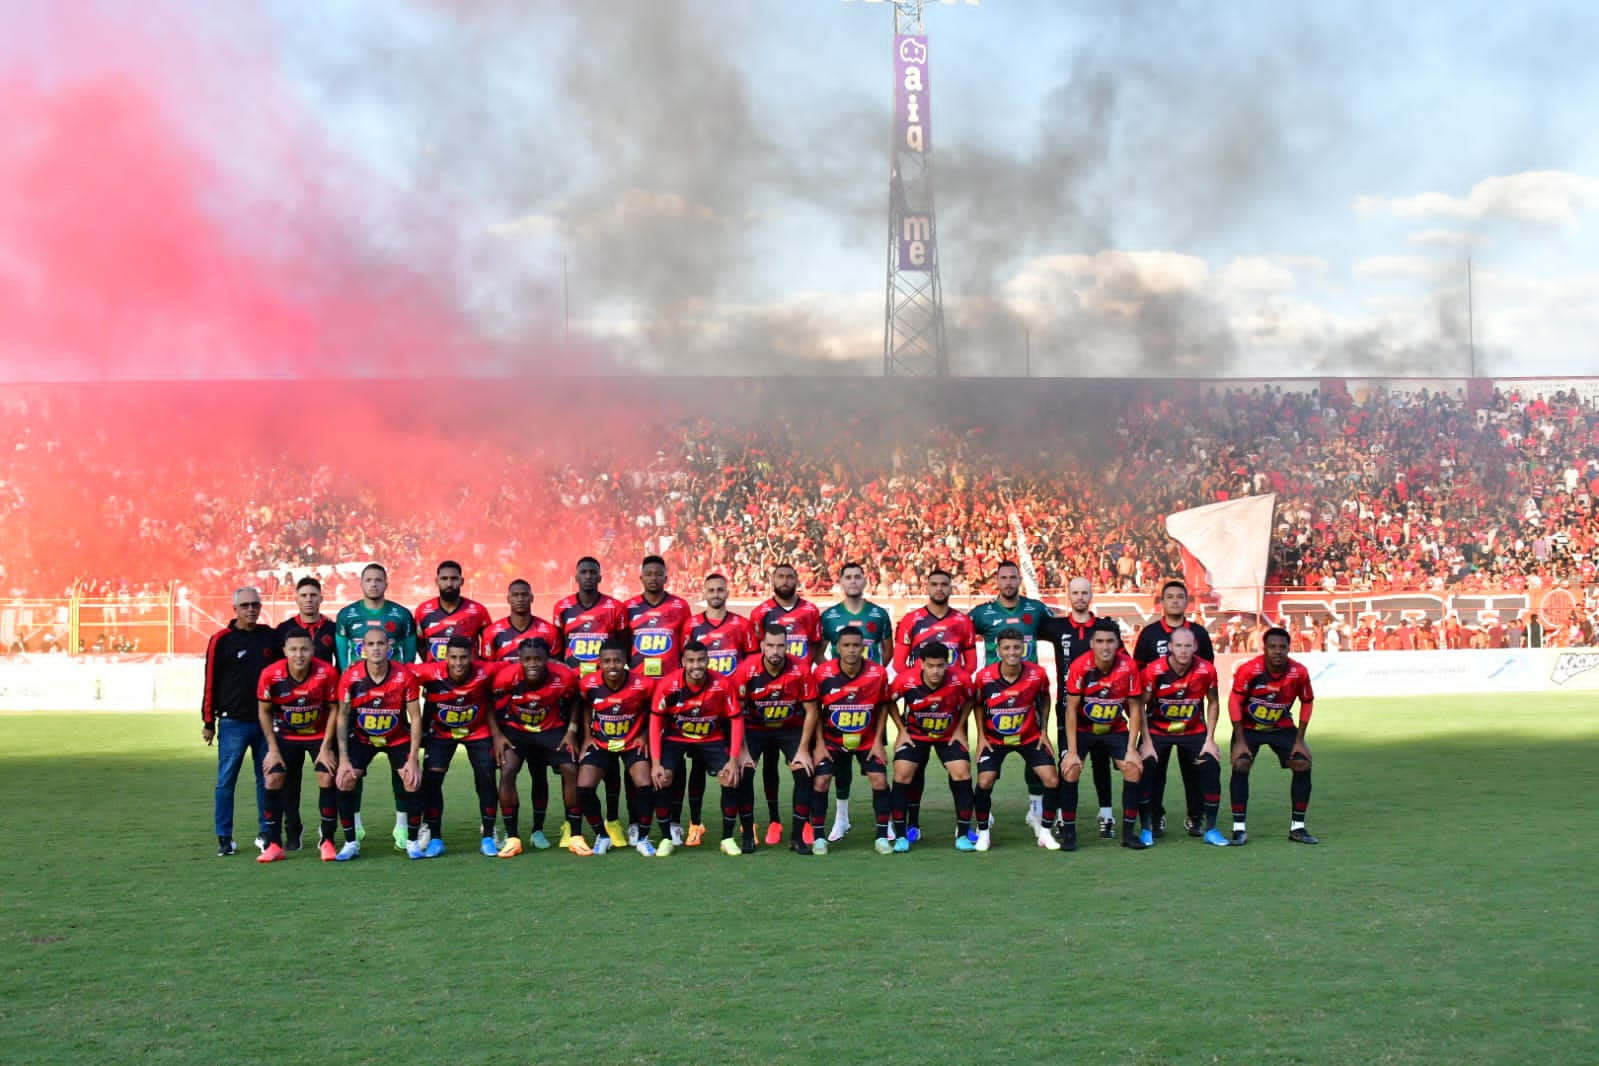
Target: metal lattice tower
x,y
913,313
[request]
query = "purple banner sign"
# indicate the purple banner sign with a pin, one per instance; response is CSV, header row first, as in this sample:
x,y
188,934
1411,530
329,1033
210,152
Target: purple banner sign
x,y
915,242
911,127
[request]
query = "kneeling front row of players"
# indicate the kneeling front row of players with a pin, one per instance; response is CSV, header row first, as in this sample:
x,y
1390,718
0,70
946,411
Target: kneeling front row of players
x,y
541,713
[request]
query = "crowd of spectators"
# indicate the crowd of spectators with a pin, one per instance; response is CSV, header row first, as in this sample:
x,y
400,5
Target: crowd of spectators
x,y
1395,489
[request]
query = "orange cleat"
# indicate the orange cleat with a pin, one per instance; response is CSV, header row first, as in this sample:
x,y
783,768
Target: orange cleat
x,y
328,852
696,836
579,846
774,834
271,853
511,848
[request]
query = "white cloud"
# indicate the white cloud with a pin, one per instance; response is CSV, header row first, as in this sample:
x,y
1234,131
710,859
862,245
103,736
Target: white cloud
x,y
1443,238
1255,274
1547,196
1397,266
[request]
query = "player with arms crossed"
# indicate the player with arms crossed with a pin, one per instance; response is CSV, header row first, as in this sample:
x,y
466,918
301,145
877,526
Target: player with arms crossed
x,y
380,710
1264,691
853,693
933,703
777,694
1069,635
587,619
695,712
295,699
802,621
1011,610
1181,709
877,625
458,708
617,708
730,639
1012,698
537,704
1104,709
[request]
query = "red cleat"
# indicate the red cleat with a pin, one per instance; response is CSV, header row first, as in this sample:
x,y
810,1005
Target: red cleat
x,y
271,853
774,834
808,834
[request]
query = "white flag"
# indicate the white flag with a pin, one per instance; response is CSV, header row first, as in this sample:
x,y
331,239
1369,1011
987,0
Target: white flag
x,y
1232,541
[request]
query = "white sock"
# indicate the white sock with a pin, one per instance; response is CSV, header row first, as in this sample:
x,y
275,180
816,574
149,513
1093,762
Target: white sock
x,y
1238,827
843,811
399,820
1104,813
1035,804
358,819
1297,823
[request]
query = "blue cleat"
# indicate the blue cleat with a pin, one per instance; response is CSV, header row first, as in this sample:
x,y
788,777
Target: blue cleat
x,y
434,849
539,840
1216,837
964,842
913,834
903,844
350,850
1147,838
415,850
490,848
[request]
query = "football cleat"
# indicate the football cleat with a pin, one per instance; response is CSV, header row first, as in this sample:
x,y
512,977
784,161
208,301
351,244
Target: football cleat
x,y
1302,836
1146,838
747,846
566,837
578,846
913,834
774,834
401,838
730,847
350,850
602,844
902,845
424,833
984,840
1032,819
674,835
963,842
226,847
538,840
800,847
433,848
1107,829
884,846
840,827
328,852
1240,838
645,848
618,835
632,835
808,833
513,848
696,836
415,850
271,853
490,848
1214,836
665,848
819,846
360,830
1194,827
1068,837
1135,842
1160,827
1046,839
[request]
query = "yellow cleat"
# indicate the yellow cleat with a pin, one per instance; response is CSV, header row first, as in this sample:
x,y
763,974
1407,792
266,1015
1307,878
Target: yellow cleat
x,y
730,847
511,848
617,834
579,846
566,836
696,836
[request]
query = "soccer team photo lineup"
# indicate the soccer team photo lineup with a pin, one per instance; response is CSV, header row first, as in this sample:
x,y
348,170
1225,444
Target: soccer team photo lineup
x,y
637,705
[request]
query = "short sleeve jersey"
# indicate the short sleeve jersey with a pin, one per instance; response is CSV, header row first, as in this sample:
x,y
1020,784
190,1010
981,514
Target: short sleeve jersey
x,y
1010,712
584,629
377,708
456,710
953,630
802,622
729,641
435,626
659,632
502,642
1269,700
1176,702
300,709
694,715
618,718
872,620
851,706
540,708
774,701
991,619
1105,692
930,713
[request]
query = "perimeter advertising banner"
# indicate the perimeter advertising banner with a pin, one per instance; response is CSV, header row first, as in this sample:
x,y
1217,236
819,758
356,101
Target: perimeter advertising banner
x,y
912,137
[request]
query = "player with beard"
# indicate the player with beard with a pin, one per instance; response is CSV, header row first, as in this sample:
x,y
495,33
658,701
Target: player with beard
x,y
936,700
1104,708
1151,645
586,620
854,697
877,625
802,621
730,639
449,614
349,626
1068,635
536,701
936,620
695,714
778,698
1181,709
617,708
458,710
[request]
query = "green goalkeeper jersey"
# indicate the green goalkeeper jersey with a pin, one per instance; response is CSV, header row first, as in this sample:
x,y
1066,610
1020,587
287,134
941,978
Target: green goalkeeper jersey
x,y
874,622
353,621
990,618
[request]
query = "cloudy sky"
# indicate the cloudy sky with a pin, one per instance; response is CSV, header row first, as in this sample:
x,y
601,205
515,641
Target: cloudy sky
x,y
1241,188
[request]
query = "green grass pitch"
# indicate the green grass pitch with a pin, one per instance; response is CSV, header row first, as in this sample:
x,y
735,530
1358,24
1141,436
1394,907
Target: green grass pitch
x,y
1449,916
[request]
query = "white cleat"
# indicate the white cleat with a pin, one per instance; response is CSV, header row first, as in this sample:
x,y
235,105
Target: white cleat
x,y
1047,841
840,827
675,837
632,835
645,848
602,844
1033,821
983,840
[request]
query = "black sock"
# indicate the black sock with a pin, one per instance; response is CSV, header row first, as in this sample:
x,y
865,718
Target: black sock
x,y
273,816
1101,770
613,792
1051,806
802,802
432,794
1131,796
510,815
643,808
769,784
843,779
732,798
327,801
574,819
413,815
818,811
696,795
1209,774
962,791
984,805
882,807
397,786
488,797
897,801
347,809
588,800
1239,788
673,811
1299,792
1068,802
538,797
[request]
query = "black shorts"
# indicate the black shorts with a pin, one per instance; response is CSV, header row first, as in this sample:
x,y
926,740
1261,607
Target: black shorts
x,y
1110,745
608,760
1034,755
440,750
1186,746
919,751
297,752
362,755
1280,741
675,752
540,750
759,741
869,763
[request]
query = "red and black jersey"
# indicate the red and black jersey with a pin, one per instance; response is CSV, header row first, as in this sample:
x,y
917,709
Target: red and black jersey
x,y
659,632
1154,641
530,708
1268,701
774,701
851,706
435,626
378,708
456,710
695,715
584,629
300,709
324,645
953,630
1176,702
1069,639
729,641
502,642
1105,692
802,622
930,714
618,718
1010,712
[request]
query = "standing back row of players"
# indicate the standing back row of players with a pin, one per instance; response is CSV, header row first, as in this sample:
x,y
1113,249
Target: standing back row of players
x,y
656,620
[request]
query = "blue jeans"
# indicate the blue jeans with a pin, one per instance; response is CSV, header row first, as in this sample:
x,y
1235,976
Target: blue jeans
x,y
233,737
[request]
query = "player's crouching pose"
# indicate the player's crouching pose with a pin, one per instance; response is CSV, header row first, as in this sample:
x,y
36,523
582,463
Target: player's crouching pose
x,y
1104,709
1261,707
695,712
934,701
618,712
537,703
1181,710
380,710
854,696
1012,697
295,698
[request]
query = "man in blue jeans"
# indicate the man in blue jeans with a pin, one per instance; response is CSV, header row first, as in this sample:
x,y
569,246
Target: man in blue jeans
x,y
233,663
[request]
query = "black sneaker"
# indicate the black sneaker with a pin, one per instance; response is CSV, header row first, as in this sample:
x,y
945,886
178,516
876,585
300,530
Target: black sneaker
x,y
1068,837
1301,836
1160,827
747,845
1195,827
798,847
1240,838
1107,829
225,847
1134,842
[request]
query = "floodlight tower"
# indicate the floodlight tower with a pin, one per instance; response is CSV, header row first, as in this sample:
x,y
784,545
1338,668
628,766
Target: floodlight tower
x,y
914,342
